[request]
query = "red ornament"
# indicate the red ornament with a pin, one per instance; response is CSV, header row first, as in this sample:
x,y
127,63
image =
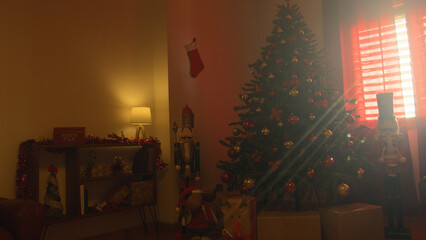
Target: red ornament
x,y
274,165
310,100
247,124
290,186
313,138
293,119
271,93
231,153
310,173
350,143
225,177
275,149
328,162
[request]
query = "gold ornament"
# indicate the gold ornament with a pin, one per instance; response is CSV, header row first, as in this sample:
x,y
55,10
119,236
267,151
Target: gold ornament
x,y
360,173
237,148
288,144
302,32
288,17
328,133
279,30
293,92
280,124
309,80
294,59
249,183
312,116
265,131
244,96
343,189
258,109
283,41
235,131
271,76
251,71
264,64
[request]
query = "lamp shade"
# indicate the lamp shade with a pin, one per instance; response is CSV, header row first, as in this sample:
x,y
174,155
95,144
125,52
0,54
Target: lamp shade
x,y
141,115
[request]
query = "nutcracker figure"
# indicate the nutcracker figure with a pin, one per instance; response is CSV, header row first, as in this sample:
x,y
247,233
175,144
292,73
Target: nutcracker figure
x,y
388,131
186,150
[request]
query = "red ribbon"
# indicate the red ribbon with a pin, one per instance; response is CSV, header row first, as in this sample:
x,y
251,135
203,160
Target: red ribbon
x,y
275,114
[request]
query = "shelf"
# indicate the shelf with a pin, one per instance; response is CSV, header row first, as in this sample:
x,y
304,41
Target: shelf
x,y
88,145
117,177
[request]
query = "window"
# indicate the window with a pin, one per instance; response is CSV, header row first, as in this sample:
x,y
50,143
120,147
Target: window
x,y
383,62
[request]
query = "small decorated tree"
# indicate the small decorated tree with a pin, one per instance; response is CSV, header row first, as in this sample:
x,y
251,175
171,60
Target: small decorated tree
x,y
293,135
52,200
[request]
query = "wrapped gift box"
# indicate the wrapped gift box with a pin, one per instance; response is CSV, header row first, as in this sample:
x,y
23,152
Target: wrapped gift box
x,y
101,170
303,225
353,222
239,217
141,192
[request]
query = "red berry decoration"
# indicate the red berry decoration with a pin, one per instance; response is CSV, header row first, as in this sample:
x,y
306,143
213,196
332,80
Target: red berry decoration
x,y
293,119
310,173
313,138
290,186
328,162
255,157
225,177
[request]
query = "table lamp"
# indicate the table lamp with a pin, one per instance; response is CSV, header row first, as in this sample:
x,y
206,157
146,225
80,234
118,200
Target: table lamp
x,y
140,116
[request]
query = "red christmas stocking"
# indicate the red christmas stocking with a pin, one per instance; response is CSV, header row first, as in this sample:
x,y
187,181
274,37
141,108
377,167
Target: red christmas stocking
x,y
194,59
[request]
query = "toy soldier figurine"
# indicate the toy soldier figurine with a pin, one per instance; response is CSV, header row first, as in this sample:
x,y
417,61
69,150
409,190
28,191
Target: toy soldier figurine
x,y
187,151
388,131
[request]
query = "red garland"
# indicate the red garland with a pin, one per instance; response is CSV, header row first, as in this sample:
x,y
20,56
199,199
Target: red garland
x,y
23,183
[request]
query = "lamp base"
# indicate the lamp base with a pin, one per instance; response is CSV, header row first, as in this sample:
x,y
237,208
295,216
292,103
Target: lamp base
x,y
140,130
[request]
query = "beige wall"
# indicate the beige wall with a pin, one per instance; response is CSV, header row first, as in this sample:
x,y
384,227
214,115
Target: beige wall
x,y
230,35
80,63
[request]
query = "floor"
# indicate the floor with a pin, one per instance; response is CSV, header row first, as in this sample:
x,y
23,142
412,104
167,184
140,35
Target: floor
x,y
416,225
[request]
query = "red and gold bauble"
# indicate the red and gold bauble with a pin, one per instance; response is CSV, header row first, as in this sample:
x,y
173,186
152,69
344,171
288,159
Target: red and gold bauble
x,y
293,119
313,138
225,177
288,144
290,186
343,189
309,80
310,173
328,162
312,116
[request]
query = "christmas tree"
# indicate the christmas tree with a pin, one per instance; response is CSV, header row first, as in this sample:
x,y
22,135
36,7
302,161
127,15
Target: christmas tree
x,y
293,136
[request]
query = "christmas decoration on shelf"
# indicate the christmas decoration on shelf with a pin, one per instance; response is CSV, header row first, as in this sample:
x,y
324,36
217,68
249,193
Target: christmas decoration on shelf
x,y
293,125
187,151
23,182
52,200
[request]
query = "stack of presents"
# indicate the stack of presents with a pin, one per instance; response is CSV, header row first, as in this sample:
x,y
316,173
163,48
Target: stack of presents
x,y
237,219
